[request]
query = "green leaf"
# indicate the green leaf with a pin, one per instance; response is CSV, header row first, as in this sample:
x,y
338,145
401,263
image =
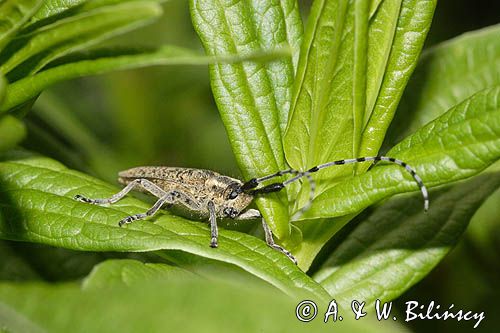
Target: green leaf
x,y
174,306
446,75
12,131
253,99
329,97
413,24
74,33
446,150
13,14
53,8
343,106
397,244
24,90
459,144
127,272
380,40
36,196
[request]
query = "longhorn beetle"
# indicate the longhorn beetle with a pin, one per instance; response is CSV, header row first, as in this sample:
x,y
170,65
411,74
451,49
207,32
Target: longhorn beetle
x,y
208,195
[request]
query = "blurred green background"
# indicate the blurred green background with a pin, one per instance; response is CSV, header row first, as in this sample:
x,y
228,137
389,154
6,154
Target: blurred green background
x,y
167,116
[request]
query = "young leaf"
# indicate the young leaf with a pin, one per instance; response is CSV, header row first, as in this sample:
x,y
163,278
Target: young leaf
x,y
329,94
13,14
63,8
253,99
381,34
397,245
54,7
74,33
459,144
332,115
37,203
446,75
412,27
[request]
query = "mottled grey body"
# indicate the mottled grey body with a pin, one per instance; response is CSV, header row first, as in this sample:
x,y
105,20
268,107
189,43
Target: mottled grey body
x,y
208,195
192,192
198,185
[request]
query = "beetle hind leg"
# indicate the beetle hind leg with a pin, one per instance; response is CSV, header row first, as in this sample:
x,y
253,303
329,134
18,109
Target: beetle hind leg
x,y
139,183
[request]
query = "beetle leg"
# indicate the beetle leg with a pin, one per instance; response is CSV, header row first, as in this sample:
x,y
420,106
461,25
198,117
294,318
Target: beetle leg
x,y
142,183
213,224
251,214
271,243
169,198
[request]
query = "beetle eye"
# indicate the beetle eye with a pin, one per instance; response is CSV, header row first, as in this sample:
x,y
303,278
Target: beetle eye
x,y
232,191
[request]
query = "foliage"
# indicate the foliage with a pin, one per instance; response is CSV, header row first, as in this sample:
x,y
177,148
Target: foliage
x,y
289,96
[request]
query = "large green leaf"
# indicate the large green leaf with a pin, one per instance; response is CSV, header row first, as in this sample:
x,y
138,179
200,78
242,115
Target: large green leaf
x,y
253,99
36,196
13,14
397,244
446,75
459,144
188,305
27,88
37,48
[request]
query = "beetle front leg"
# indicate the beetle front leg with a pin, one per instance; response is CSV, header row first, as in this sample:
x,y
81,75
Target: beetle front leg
x,y
252,214
270,241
